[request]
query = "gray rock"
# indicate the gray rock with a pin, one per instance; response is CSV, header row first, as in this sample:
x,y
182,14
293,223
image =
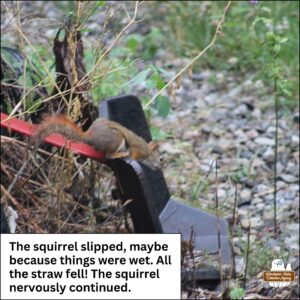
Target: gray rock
x,y
268,215
285,141
261,188
280,167
272,130
245,197
211,99
295,141
294,261
250,183
269,198
296,289
292,169
241,110
256,162
245,223
206,129
269,155
288,178
264,141
293,227
256,222
283,215
205,168
271,243
252,134
226,143
253,147
239,264
256,113
260,206
281,184
257,200
217,131
286,195
235,92
169,148
211,148
246,154
292,243
294,187
262,127
219,114
241,136
232,126
221,194
295,207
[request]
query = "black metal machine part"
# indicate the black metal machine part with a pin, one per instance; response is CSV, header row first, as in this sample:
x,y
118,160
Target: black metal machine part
x,y
152,209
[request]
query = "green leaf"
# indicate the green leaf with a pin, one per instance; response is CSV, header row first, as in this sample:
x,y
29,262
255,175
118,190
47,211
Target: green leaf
x,y
271,37
164,72
100,3
283,40
266,21
133,41
157,79
162,105
138,78
158,134
276,49
237,293
150,84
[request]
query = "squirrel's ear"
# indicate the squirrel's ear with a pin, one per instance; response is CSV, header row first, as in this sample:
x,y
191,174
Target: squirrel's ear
x,y
153,146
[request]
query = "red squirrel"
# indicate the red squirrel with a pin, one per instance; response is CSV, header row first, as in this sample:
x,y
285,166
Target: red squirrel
x,y
104,135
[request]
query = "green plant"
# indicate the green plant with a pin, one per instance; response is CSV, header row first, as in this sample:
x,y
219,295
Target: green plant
x,y
240,174
30,75
272,45
236,293
191,25
153,79
152,42
261,256
201,186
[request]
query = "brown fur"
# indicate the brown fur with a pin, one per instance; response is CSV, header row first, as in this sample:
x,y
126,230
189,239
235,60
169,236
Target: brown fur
x,y
103,135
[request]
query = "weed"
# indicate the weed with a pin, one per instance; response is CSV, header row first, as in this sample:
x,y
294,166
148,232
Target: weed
x,y
261,256
191,25
236,293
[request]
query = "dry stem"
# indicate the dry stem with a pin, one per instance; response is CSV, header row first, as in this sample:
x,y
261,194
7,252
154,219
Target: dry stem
x,y
193,60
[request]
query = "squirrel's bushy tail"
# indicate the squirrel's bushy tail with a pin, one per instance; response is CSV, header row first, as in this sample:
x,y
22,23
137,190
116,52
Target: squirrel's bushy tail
x,y
57,124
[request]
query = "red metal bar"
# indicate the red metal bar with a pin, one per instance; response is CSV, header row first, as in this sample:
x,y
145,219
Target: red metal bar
x,y
56,140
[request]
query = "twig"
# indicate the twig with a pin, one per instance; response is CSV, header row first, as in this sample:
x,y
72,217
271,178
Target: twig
x,y
210,167
17,176
234,207
218,228
193,60
119,35
67,219
116,212
23,211
247,256
39,168
276,153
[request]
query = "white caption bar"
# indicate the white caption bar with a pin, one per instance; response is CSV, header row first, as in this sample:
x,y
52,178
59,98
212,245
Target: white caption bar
x,y
90,266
